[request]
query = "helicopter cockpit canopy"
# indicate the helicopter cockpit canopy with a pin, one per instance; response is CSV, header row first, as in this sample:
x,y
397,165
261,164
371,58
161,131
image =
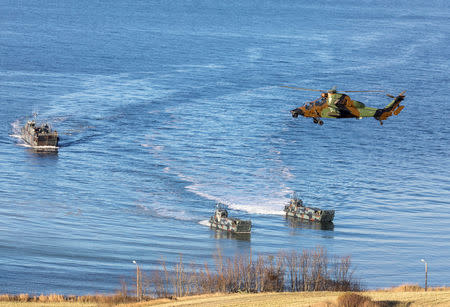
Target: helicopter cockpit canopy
x,y
318,102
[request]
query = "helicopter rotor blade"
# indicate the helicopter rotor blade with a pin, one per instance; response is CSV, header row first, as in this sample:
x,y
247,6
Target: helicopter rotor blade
x,y
302,89
362,91
324,91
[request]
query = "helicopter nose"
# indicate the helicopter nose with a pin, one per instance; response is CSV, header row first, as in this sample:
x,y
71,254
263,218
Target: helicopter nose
x,y
295,113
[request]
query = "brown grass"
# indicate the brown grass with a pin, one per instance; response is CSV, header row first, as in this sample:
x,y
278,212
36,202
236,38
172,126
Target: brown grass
x,y
353,300
407,288
382,298
58,298
413,288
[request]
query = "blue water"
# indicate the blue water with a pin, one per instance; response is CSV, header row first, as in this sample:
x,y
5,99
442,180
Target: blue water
x,y
164,107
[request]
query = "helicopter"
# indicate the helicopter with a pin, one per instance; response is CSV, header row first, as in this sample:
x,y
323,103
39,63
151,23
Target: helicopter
x,y
333,104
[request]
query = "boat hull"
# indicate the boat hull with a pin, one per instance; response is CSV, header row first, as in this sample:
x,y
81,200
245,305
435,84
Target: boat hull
x,y
231,225
309,214
39,136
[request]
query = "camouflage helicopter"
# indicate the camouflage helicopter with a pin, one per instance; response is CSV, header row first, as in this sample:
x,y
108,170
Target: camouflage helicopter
x,y
332,104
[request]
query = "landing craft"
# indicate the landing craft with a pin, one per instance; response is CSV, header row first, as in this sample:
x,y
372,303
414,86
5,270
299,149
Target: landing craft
x,y
220,220
332,104
296,209
40,137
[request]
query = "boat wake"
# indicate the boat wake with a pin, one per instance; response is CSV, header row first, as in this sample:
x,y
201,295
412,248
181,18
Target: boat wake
x,y
254,204
15,127
38,147
165,212
264,203
204,223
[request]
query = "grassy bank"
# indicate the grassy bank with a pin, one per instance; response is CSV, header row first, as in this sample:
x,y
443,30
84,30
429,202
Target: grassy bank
x,y
382,298
318,299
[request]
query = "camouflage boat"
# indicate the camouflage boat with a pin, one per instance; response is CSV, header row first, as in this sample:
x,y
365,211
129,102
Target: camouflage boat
x,y
39,135
220,220
296,209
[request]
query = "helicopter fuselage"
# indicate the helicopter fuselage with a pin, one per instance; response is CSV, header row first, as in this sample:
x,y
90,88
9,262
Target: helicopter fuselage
x,y
337,105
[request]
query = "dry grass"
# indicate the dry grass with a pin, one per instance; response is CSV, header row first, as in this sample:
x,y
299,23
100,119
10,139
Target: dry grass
x,y
40,304
316,299
61,300
414,288
353,300
407,288
413,298
383,298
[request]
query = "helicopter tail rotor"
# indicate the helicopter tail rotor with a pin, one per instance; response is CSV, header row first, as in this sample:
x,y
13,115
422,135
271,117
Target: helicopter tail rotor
x,y
394,108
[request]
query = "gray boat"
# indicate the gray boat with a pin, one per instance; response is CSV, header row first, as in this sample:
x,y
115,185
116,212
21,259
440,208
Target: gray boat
x,y
220,220
39,135
295,208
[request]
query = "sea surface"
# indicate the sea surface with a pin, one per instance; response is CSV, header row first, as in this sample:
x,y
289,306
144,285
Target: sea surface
x,y
166,107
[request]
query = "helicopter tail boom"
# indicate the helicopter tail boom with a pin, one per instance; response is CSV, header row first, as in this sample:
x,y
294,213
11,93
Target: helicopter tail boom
x,y
394,108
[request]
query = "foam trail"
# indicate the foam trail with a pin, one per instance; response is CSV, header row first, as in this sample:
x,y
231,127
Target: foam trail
x,y
266,208
258,203
165,212
253,205
15,127
38,147
204,223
